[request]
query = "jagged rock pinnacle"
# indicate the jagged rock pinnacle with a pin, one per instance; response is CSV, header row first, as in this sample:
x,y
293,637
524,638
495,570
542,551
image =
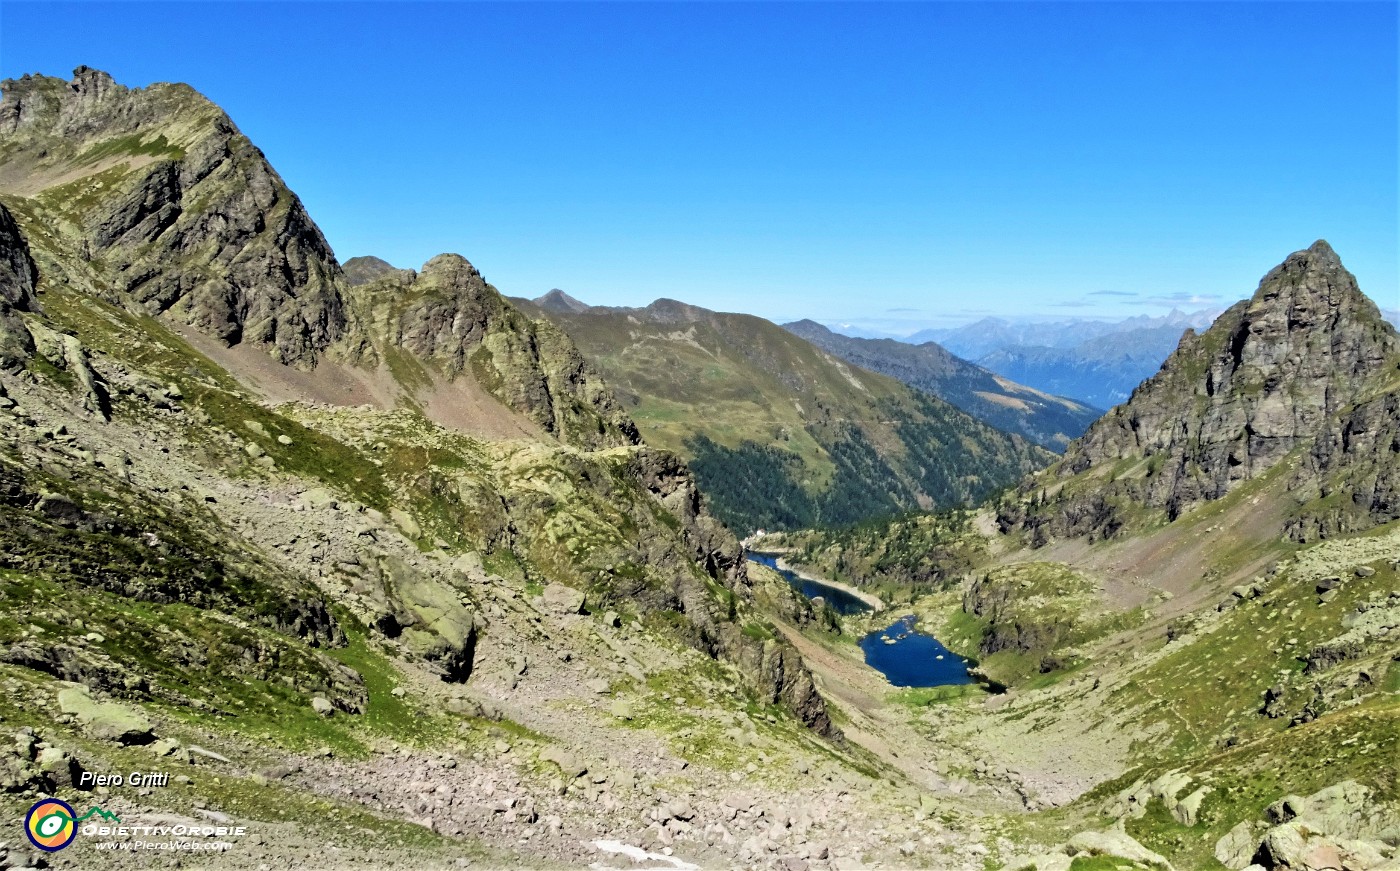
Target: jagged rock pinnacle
x,y
1271,375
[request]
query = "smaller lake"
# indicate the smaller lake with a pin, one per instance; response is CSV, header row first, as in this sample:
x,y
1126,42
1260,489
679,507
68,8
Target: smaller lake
x,y
841,601
912,659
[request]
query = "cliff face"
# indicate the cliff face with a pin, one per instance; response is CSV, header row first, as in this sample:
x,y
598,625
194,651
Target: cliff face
x,y
1307,364
450,319
191,219
17,277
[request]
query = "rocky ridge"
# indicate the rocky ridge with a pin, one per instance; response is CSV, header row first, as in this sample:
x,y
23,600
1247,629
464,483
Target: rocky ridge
x,y
186,212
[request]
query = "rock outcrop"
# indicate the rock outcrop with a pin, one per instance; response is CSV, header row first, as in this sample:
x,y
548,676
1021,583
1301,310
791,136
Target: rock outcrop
x,y
449,318
1342,827
183,207
1306,365
17,278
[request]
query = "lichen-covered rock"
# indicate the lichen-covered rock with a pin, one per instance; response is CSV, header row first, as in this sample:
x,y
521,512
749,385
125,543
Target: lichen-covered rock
x,y
563,600
1236,849
67,353
1117,844
106,721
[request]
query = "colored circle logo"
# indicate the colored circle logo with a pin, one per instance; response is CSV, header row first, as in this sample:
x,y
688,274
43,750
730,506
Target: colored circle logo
x,y
51,825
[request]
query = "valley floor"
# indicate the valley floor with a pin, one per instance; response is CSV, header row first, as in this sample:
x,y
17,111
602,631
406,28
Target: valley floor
x,y
581,738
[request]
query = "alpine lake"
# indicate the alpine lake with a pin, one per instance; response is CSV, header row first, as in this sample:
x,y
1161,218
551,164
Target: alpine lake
x,y
903,654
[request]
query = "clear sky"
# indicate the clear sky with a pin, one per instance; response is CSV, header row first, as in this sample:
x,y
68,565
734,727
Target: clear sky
x,y
893,165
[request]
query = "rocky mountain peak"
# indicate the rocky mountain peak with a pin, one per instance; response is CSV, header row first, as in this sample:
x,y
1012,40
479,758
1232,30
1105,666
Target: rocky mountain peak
x,y
366,270
558,300
1273,374
453,268
93,84
158,182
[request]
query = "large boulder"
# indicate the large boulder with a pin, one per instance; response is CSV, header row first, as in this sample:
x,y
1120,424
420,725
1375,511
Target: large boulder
x,y
563,600
569,764
1118,844
106,721
1236,849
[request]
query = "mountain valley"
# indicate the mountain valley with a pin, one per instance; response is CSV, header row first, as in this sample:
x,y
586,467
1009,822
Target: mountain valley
x,y
395,571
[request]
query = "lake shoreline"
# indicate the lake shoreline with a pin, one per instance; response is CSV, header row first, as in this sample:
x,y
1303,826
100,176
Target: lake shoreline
x,y
875,603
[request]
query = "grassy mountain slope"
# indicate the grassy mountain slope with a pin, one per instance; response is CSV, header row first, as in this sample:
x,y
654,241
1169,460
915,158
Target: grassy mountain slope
x,y
780,433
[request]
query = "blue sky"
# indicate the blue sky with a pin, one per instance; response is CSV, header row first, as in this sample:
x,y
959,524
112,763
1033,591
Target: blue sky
x,y
891,165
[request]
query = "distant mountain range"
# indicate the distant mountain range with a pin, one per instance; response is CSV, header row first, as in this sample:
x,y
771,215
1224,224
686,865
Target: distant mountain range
x,y
1095,362
1050,421
980,338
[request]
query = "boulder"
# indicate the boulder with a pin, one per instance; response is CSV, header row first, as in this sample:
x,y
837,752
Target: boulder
x,y
1119,844
568,764
1043,862
470,566
106,721
1187,810
405,522
1286,809
1236,849
1169,785
317,498
1288,847
322,706
1342,810
62,770
563,600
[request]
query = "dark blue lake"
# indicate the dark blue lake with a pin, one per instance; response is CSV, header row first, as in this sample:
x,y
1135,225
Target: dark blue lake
x,y
912,659
840,600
